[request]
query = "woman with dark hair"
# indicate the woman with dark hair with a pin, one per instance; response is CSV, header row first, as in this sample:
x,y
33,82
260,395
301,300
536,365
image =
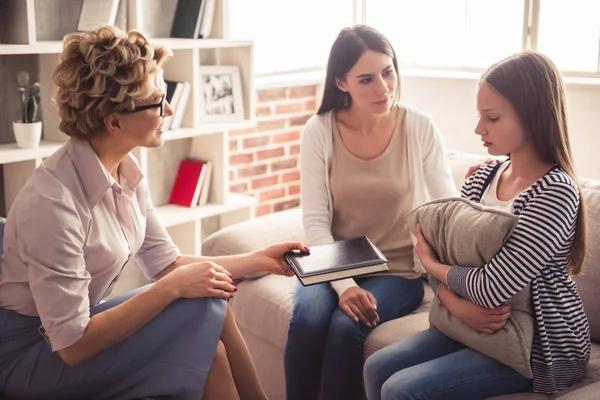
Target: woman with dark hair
x,y
366,160
522,106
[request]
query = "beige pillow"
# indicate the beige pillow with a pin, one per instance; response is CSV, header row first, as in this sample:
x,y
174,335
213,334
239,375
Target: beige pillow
x,y
465,233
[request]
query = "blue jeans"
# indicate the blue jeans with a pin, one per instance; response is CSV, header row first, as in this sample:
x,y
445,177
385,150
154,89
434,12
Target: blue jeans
x,y
430,365
325,347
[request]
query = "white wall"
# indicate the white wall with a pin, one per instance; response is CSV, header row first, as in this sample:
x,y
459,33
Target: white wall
x,y
451,102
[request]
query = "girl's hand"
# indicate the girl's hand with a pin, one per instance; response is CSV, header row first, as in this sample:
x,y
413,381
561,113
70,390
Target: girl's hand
x,y
200,279
485,320
271,258
424,250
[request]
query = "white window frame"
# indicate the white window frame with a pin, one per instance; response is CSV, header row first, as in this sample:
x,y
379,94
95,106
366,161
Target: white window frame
x,y
532,14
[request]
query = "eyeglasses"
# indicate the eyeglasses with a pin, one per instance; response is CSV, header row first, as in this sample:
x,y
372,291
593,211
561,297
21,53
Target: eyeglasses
x,y
160,105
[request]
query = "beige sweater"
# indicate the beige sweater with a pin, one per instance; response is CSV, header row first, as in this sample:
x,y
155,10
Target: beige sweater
x,y
429,173
372,197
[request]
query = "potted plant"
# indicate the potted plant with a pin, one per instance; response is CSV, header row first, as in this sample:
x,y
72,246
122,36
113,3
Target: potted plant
x,y
28,130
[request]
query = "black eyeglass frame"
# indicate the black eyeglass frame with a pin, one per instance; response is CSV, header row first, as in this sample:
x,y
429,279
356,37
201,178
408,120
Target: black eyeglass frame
x,y
160,105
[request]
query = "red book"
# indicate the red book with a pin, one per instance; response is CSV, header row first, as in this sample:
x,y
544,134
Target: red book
x,y
186,190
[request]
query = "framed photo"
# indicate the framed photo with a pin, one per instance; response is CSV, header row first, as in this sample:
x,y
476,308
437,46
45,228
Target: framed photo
x,y
221,98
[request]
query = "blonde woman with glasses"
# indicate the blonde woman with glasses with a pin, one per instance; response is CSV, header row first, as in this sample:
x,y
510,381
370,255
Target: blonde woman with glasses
x,y
84,213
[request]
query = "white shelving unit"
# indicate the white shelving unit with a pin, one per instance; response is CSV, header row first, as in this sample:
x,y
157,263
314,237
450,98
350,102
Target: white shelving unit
x,y
187,226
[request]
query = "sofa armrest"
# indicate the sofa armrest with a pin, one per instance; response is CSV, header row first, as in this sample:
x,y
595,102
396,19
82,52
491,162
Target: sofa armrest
x,y
255,234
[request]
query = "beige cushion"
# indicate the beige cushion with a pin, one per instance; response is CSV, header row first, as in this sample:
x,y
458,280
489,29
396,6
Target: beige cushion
x,y
465,233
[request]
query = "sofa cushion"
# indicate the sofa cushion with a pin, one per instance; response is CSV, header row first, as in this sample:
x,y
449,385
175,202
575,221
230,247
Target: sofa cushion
x,y
462,232
588,283
264,306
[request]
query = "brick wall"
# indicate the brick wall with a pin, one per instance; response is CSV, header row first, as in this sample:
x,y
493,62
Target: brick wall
x,y
264,159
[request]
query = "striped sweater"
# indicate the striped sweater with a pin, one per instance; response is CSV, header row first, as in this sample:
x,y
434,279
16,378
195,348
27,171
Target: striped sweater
x,y
537,252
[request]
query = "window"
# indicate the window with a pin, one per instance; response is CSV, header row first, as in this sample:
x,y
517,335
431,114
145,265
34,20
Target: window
x,y
296,35
570,33
449,33
289,35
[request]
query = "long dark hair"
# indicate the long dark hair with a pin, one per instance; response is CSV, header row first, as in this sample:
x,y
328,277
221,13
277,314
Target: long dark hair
x,y
348,47
532,84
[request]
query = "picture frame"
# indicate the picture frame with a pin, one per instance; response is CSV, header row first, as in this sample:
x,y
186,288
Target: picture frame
x,y
96,13
221,98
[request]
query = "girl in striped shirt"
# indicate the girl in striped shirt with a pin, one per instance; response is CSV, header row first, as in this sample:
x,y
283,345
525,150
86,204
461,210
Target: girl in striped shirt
x,y
522,107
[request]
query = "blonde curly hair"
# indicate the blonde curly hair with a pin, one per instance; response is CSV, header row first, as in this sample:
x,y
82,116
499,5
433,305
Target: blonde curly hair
x,y
104,71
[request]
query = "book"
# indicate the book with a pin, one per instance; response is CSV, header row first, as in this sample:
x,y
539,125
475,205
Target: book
x,y
207,16
95,13
205,191
181,105
187,20
188,183
339,260
174,93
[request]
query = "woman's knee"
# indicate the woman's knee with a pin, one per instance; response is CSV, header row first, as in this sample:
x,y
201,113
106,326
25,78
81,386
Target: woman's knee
x,y
204,308
344,328
220,358
307,318
312,312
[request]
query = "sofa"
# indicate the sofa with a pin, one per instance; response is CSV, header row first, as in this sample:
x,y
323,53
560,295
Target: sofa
x,y
263,305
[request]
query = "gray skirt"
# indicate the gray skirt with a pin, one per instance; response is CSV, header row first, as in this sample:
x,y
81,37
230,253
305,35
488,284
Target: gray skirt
x,y
169,356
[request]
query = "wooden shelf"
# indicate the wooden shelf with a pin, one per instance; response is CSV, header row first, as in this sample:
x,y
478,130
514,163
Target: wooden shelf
x,y
10,153
56,46
206,129
175,215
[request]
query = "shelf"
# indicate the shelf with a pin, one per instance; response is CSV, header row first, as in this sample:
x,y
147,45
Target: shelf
x,y
207,129
174,215
177,43
56,46
10,153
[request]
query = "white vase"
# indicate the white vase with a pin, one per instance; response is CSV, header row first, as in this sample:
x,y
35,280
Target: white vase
x,y
28,135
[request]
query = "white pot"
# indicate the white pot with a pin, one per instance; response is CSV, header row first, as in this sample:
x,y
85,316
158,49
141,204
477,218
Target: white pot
x,y
28,135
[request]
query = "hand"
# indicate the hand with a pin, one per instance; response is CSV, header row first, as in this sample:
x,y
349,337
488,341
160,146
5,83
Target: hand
x,y
271,259
485,320
475,167
424,250
200,279
360,305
